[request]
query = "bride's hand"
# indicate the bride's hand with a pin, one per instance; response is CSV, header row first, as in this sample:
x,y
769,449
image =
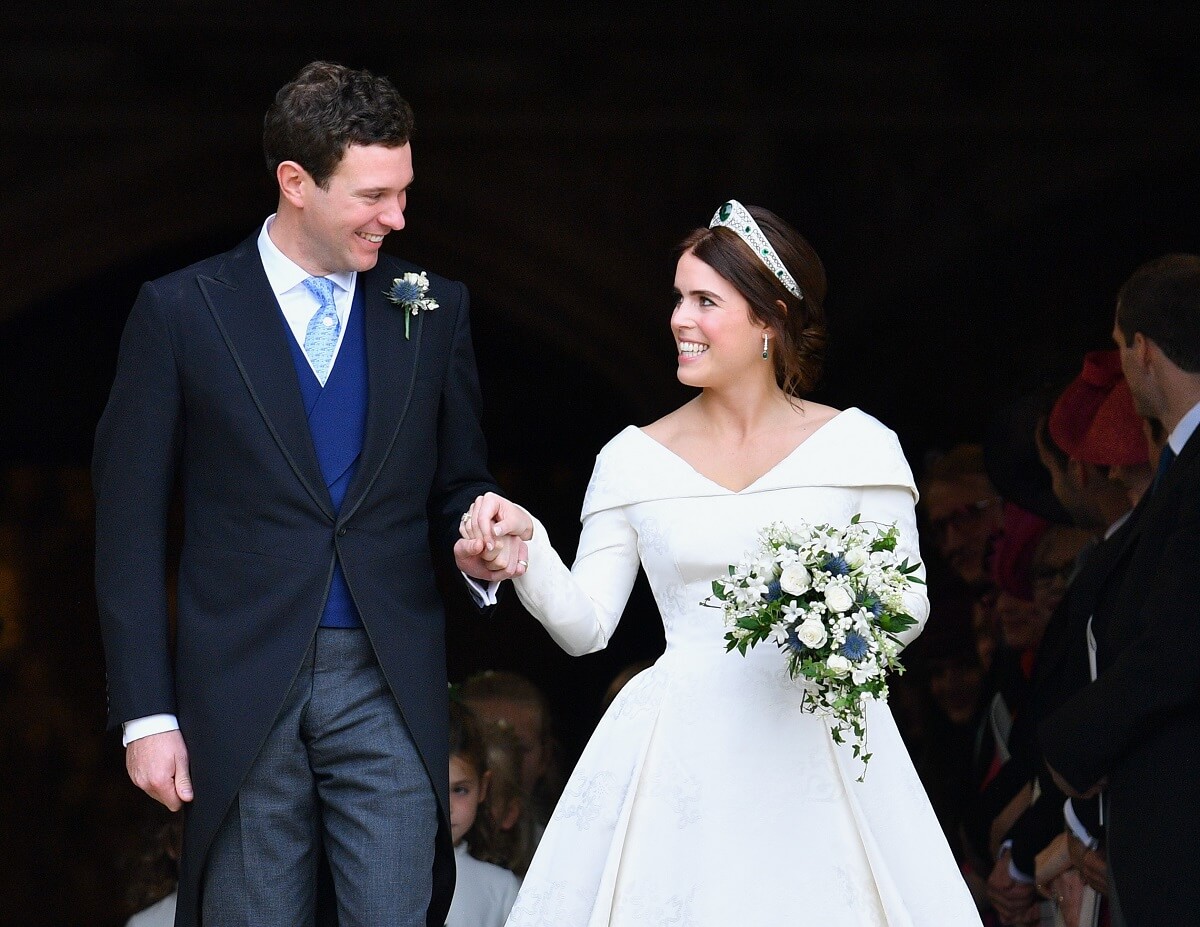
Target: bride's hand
x,y
508,558
492,516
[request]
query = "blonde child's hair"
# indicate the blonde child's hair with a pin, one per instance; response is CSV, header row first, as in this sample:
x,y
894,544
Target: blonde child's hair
x,y
513,846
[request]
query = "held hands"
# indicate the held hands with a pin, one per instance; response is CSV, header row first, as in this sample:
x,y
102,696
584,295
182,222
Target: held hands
x,y
1066,891
1092,865
1015,902
494,532
158,765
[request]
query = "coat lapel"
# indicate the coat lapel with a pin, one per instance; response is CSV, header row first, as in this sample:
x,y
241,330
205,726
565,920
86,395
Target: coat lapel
x,y
1146,515
391,372
248,316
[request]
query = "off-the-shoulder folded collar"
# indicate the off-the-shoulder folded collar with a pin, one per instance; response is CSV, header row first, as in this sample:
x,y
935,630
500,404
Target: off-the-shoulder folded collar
x,y
851,449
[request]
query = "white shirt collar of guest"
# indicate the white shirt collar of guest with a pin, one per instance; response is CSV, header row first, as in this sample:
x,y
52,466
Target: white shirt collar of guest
x,y
285,275
1184,430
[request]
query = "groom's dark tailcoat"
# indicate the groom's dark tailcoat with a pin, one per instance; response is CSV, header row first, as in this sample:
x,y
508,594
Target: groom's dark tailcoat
x,y
207,394
1138,723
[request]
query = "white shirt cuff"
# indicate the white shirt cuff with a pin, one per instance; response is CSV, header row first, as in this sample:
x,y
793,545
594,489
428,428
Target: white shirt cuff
x,y
1076,826
483,594
144,727
1014,873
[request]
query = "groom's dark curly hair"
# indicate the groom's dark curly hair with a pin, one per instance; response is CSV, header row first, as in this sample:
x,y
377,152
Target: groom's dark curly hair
x,y
328,107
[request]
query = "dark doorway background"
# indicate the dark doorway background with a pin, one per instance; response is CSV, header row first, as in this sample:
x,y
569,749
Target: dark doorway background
x,y
978,180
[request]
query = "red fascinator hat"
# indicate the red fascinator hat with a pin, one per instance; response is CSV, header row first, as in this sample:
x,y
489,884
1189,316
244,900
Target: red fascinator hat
x,y
1094,419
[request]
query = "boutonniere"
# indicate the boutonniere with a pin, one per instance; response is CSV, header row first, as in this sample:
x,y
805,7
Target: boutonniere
x,y
408,292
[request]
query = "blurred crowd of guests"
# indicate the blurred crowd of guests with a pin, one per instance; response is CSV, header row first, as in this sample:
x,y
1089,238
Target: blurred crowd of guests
x,y
1060,550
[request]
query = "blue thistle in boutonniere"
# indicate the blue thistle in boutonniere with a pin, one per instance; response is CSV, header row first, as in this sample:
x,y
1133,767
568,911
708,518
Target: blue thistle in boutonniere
x,y
408,292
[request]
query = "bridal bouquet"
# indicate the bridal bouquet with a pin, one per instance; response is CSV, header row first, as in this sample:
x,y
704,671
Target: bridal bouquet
x,y
832,599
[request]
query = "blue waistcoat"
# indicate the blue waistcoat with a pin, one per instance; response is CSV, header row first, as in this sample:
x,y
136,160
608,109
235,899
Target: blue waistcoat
x,y
337,418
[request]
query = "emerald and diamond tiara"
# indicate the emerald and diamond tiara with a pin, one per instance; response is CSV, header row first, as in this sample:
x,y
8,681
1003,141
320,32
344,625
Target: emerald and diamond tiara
x,y
735,217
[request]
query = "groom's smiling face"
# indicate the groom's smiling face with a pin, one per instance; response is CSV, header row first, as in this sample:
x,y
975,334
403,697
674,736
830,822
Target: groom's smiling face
x,y
342,226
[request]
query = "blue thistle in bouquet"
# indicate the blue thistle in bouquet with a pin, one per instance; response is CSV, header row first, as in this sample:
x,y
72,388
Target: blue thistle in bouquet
x,y
832,600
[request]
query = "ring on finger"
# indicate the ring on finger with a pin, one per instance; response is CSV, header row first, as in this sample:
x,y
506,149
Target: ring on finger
x,y
466,517
524,563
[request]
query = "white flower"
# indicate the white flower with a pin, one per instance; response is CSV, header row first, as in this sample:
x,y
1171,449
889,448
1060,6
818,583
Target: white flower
x,y
408,292
785,556
838,664
812,633
753,588
855,557
765,566
792,612
795,579
839,598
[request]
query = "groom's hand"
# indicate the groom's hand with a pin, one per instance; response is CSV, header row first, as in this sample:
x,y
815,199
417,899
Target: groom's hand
x,y
508,558
158,765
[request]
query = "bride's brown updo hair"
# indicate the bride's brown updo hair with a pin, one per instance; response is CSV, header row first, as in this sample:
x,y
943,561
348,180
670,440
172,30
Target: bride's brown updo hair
x,y
800,329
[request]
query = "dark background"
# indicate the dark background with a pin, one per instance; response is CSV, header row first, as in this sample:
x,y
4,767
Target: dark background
x,y
978,179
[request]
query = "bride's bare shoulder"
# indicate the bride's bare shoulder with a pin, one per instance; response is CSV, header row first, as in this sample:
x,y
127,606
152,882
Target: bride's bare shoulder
x,y
815,414
668,429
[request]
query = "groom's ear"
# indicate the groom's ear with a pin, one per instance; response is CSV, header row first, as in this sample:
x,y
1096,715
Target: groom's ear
x,y
294,182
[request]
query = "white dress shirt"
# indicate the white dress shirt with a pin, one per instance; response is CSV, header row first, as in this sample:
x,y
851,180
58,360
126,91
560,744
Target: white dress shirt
x,y
298,304
1185,429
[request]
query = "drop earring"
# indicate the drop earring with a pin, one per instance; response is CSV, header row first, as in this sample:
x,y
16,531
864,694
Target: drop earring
x,y
764,347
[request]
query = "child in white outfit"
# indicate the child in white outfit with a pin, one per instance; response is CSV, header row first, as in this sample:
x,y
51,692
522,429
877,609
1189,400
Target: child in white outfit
x,y
484,892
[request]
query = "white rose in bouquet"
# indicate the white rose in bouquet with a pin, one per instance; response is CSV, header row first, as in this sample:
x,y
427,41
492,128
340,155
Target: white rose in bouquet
x,y
811,633
838,598
795,580
838,664
855,557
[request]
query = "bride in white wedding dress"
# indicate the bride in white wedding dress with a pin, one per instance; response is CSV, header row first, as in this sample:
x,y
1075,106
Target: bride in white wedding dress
x,y
705,798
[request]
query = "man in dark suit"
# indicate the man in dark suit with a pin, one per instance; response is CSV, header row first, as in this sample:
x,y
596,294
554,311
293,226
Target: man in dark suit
x,y
1135,730
1091,435
317,403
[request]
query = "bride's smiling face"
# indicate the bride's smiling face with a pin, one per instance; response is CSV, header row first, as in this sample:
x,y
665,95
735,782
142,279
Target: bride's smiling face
x,y
716,337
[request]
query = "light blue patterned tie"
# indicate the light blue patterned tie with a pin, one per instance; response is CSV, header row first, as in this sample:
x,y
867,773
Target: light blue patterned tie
x,y
321,336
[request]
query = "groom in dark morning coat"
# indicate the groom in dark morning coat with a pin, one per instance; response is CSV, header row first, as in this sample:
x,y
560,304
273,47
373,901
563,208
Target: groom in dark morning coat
x,y
1135,730
321,431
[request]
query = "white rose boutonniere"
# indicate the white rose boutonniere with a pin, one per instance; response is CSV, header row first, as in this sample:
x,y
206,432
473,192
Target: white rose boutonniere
x,y
408,292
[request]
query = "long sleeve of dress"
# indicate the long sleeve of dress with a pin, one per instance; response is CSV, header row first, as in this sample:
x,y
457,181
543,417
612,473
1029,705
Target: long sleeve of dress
x,y
888,504
581,606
